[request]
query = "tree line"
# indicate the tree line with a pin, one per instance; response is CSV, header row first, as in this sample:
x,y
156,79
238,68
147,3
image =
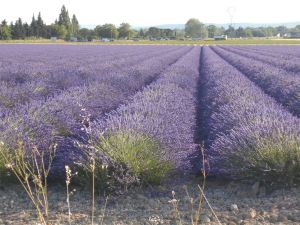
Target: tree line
x,y
194,28
66,27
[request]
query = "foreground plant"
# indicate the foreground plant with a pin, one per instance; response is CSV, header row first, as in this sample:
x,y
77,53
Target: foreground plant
x,y
31,167
141,154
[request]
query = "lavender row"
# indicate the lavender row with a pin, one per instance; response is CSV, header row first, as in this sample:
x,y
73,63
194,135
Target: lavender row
x,y
247,130
61,116
291,65
285,51
24,85
165,111
276,82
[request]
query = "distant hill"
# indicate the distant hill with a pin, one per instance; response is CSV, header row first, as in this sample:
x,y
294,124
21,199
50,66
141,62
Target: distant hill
x,y
225,25
288,24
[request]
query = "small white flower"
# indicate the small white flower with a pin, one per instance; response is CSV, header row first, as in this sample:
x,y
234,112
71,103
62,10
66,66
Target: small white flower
x,y
8,166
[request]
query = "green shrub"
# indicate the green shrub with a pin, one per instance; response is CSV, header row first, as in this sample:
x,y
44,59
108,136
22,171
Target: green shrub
x,y
272,161
141,154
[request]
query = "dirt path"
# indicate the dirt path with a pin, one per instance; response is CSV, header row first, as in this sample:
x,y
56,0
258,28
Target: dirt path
x,y
233,203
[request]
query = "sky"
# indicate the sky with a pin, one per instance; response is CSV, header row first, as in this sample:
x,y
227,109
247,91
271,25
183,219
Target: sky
x,y
155,12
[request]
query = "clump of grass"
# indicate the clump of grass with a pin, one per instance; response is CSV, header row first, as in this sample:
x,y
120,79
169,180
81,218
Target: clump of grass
x,y
270,161
143,155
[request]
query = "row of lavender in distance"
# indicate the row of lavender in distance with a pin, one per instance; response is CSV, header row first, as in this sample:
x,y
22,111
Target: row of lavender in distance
x,y
42,77
60,116
165,111
278,83
291,64
247,130
283,51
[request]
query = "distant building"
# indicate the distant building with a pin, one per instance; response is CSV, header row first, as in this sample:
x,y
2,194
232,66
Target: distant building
x,y
53,38
220,37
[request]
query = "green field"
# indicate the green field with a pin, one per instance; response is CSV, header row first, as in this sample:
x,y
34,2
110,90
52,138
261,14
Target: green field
x,y
170,42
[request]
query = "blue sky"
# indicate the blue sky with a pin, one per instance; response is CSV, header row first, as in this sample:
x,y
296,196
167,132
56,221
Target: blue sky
x,y
155,12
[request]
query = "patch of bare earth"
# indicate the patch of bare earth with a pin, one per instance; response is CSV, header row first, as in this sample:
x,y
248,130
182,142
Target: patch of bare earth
x,y
233,203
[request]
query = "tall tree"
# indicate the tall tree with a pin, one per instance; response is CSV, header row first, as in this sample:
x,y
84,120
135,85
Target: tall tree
x,y
33,27
40,26
75,26
64,18
194,28
125,30
5,33
153,32
141,33
212,30
18,30
107,31
26,29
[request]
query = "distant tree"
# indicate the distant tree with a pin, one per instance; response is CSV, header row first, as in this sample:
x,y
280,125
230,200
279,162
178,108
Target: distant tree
x,y
240,32
26,29
258,32
74,26
153,32
106,31
269,31
141,33
56,30
33,27
64,18
248,32
125,30
40,26
230,32
17,30
5,32
212,31
167,33
194,28
86,34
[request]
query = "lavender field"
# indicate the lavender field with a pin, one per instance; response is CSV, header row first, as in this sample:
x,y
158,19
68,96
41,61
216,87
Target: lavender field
x,y
161,102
